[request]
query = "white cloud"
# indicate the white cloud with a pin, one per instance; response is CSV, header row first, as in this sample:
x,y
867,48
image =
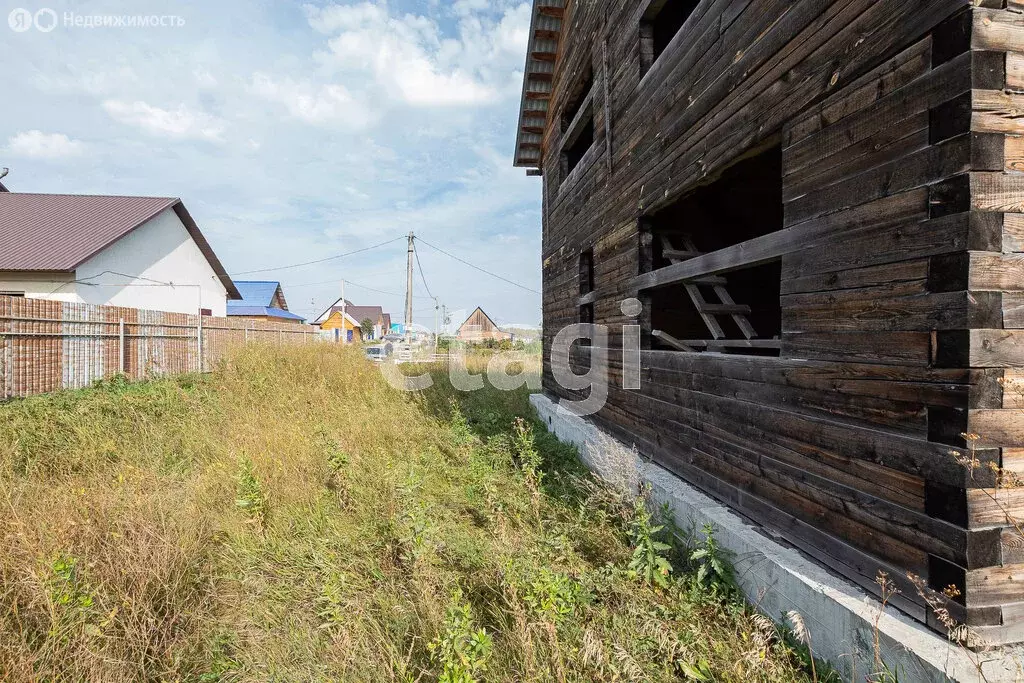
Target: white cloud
x,y
466,7
181,123
408,58
35,144
204,79
312,104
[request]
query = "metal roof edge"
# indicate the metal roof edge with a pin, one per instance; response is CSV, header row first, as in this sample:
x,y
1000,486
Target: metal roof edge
x,y
206,249
536,32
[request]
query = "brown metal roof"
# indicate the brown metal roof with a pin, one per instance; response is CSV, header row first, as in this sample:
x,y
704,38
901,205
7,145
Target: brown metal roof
x,y
361,313
51,232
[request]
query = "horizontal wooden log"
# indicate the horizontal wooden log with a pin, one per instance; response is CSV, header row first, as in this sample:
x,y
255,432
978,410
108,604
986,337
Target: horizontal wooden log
x,y
998,30
904,307
996,111
1013,233
1015,70
999,192
995,507
995,585
764,249
996,272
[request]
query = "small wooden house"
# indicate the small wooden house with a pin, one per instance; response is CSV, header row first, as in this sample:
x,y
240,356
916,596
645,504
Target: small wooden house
x,y
264,301
819,206
479,327
345,326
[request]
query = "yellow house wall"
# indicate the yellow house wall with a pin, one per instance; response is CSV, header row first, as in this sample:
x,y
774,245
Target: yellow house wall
x,y
336,322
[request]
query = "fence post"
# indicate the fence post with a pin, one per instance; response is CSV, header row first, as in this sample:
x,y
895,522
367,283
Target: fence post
x,y
247,335
120,345
199,339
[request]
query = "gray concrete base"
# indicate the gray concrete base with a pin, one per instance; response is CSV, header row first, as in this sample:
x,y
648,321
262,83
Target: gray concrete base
x,y
840,617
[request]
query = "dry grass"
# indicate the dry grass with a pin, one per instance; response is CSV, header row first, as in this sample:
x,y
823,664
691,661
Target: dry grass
x,y
292,518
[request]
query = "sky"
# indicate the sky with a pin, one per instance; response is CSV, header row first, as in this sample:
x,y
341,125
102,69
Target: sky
x,y
293,132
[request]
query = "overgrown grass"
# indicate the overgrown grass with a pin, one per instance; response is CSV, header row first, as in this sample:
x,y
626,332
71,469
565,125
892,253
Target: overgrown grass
x,y
292,518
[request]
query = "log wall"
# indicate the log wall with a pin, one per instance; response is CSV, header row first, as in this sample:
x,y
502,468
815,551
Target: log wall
x,y
901,252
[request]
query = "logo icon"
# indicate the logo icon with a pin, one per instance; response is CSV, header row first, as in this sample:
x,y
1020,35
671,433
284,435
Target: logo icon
x,y
46,20
20,20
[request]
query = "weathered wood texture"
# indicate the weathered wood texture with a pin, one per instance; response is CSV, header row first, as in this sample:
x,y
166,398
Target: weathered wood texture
x,y
902,256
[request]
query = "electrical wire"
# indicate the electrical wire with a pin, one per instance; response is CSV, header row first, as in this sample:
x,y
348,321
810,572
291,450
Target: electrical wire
x,y
476,267
323,260
85,281
354,284
416,255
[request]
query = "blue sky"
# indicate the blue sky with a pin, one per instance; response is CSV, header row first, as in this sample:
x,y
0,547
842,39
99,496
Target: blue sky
x,y
296,131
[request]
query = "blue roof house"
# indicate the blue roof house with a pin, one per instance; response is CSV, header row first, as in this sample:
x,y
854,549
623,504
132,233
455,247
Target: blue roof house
x,y
262,301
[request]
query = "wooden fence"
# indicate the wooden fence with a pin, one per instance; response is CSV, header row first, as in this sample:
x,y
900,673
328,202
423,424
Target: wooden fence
x,y
51,345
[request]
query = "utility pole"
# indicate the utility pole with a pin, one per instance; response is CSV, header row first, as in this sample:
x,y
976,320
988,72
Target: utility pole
x,y
408,290
437,307
344,333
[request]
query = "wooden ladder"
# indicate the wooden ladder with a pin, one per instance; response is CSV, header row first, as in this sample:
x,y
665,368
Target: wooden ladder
x,y
709,312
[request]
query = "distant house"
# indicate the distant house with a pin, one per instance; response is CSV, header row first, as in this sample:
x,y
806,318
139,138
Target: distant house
x,y
380,320
479,327
343,327
262,300
138,252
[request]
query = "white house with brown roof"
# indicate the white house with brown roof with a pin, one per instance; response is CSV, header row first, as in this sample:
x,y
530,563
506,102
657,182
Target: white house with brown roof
x,y
138,252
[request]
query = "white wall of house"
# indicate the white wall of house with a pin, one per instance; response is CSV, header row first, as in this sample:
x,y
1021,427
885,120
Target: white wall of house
x,y
160,251
36,285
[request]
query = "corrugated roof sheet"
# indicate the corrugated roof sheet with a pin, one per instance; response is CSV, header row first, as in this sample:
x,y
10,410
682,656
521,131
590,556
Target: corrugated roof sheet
x,y
262,310
255,293
541,52
59,232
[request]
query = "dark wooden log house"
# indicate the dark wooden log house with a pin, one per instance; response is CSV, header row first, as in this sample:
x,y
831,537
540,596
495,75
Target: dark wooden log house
x,y
820,204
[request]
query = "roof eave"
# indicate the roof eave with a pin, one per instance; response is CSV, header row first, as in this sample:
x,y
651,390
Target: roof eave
x,y
207,250
538,75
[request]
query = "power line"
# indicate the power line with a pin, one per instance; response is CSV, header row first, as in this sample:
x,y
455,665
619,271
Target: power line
x,y
476,267
354,284
422,276
323,260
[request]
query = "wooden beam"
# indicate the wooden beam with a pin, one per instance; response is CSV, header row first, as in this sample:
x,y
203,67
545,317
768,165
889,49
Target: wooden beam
x,y
556,12
606,80
725,309
680,254
672,341
546,34
747,254
543,56
537,95
575,127
716,344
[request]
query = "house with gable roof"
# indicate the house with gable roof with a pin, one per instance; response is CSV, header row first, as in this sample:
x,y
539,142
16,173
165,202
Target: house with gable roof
x,y
136,252
262,300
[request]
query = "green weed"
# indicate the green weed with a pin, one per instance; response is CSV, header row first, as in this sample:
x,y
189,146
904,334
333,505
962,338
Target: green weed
x,y
649,563
462,649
